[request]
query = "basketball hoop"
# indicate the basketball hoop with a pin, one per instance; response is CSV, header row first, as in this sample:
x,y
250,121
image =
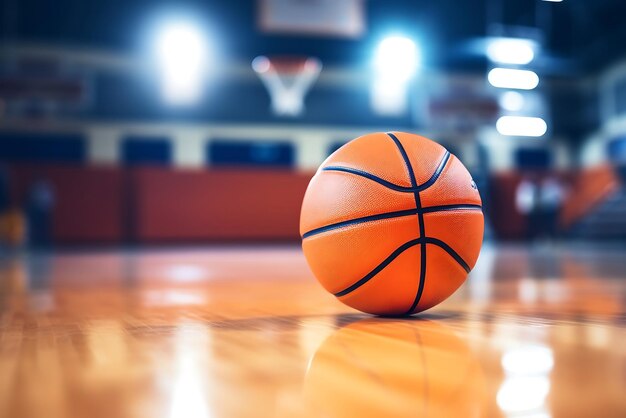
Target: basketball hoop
x,y
287,80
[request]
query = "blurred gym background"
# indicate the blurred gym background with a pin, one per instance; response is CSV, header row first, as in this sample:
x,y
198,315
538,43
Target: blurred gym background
x,y
134,123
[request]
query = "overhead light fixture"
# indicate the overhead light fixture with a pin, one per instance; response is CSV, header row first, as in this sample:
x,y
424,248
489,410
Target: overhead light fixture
x,y
181,54
521,126
511,51
507,78
396,60
396,57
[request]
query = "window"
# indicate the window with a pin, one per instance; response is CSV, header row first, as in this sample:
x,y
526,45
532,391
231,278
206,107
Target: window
x,y
138,150
251,153
37,147
533,158
617,151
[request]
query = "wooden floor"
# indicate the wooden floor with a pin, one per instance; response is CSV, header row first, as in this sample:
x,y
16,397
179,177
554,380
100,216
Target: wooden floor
x,y
247,332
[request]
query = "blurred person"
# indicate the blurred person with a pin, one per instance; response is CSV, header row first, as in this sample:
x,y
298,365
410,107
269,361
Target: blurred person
x,y
39,207
551,197
527,203
11,219
12,228
4,190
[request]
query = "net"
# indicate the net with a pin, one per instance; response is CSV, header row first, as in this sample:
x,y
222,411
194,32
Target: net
x,y
287,81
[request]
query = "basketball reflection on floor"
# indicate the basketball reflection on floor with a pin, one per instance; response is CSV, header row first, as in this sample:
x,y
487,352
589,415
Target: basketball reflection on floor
x,y
395,368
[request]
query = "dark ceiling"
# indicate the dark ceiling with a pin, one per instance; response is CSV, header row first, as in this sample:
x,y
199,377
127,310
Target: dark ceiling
x,y
586,35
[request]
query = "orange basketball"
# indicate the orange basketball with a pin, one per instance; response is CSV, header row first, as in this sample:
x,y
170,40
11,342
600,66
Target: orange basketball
x,y
391,223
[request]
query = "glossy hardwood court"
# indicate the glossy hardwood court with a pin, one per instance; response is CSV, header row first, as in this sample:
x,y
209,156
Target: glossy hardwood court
x,y
247,332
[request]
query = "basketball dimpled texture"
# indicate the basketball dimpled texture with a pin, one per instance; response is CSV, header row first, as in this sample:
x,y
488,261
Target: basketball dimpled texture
x,y
391,223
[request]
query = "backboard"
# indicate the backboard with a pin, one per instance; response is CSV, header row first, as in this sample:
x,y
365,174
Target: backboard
x,y
344,18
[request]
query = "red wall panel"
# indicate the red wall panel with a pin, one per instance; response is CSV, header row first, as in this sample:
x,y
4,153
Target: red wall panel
x,y
217,204
507,222
111,205
88,200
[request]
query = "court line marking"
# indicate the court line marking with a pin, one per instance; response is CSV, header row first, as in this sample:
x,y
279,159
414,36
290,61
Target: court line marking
x,y
390,185
396,253
390,215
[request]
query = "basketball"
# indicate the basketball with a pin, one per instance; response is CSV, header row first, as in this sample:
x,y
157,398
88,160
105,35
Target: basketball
x,y
391,223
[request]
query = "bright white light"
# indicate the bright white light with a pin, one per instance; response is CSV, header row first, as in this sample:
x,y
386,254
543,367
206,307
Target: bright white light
x,y
512,101
511,51
181,53
186,273
388,97
190,385
173,298
527,287
513,79
530,360
521,394
396,58
521,126
554,1
395,61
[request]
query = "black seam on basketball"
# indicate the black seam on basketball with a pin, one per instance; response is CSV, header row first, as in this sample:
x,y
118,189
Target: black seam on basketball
x,y
422,281
393,186
405,157
420,215
369,176
445,208
387,215
396,253
437,173
379,267
441,244
390,215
